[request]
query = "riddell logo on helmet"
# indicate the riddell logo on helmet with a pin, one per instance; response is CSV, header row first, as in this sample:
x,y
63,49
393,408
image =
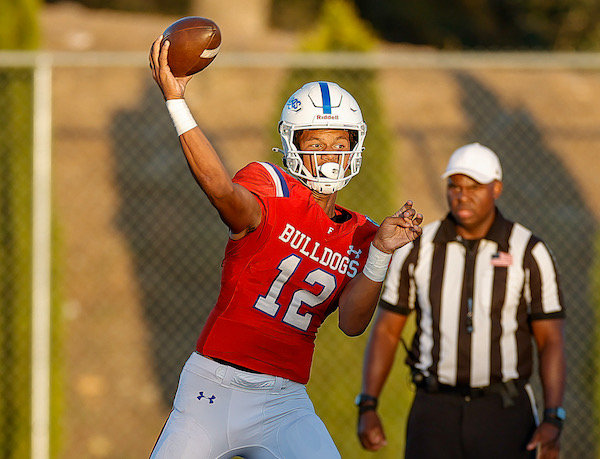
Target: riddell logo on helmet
x,y
328,117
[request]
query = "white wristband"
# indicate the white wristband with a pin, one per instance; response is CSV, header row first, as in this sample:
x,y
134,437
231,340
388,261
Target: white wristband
x,y
181,115
377,264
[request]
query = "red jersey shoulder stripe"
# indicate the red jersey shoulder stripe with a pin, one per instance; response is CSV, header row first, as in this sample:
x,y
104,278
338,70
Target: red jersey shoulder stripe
x,y
281,185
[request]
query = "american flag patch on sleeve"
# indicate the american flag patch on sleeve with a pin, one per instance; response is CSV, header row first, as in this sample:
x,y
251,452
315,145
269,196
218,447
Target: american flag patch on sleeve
x,y
502,259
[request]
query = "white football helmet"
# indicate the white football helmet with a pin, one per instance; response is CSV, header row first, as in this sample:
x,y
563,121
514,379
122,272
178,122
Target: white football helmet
x,y
322,105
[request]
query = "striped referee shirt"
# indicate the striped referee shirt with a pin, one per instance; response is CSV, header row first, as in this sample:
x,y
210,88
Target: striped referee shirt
x,y
474,301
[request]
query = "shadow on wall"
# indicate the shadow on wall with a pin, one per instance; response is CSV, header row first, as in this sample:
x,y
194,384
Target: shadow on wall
x,y
175,236
541,194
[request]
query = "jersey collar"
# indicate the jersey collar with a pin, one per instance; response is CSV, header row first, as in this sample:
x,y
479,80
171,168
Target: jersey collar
x,y
498,233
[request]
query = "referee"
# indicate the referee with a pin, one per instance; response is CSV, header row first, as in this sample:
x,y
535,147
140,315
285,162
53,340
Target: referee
x,y
483,289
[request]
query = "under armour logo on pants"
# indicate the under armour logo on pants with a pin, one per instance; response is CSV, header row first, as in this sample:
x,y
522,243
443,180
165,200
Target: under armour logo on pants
x,y
210,399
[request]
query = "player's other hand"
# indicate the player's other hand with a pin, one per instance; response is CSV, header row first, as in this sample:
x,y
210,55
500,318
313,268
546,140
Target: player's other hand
x,y
171,86
370,431
399,229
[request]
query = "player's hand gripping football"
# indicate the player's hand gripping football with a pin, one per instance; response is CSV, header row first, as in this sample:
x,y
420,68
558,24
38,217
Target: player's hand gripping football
x,y
171,86
399,229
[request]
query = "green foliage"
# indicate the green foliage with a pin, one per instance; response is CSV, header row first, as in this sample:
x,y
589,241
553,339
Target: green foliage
x,y
57,334
489,24
333,392
18,24
340,29
517,24
18,30
15,266
16,128
579,27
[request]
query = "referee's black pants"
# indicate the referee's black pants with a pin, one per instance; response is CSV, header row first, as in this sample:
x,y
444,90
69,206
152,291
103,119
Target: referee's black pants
x,y
451,426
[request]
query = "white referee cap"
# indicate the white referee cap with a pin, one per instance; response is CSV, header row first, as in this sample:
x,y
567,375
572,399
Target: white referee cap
x,y
476,161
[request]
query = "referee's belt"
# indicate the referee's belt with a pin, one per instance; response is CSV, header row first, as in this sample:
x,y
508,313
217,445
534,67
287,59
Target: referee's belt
x,y
508,390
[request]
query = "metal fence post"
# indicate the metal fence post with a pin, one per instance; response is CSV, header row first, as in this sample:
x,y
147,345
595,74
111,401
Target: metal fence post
x,y
41,258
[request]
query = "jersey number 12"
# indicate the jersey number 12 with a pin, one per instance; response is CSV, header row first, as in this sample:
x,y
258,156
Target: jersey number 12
x,y
269,303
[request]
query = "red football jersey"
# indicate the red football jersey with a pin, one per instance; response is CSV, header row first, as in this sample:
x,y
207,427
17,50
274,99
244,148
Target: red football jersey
x,y
281,281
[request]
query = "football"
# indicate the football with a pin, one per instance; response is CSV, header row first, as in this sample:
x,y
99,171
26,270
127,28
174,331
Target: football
x,y
194,43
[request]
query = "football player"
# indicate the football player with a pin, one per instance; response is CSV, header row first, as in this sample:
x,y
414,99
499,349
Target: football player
x,y
293,257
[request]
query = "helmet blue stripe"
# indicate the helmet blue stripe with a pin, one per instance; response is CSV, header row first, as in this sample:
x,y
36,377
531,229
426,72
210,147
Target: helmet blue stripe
x,y
326,98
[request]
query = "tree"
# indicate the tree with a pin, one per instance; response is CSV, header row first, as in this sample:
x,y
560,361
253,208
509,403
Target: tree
x,y
490,24
467,24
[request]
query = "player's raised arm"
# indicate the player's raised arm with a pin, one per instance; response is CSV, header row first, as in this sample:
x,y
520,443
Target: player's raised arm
x,y
238,208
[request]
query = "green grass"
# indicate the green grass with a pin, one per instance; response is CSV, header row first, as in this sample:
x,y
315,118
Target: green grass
x,y
335,382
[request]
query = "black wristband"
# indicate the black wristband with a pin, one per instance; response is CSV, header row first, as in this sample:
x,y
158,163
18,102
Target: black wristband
x,y
364,408
554,421
558,412
365,398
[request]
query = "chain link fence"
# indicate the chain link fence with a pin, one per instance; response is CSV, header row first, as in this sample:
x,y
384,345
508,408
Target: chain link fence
x,y
136,248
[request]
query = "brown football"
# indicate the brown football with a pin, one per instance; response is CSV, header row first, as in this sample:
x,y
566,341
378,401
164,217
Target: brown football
x,y
195,42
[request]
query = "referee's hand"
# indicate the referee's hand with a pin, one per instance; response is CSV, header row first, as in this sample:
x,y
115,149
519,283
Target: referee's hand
x,y
547,438
370,431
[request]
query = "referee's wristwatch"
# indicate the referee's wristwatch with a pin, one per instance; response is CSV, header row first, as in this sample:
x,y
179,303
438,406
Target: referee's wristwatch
x,y
365,402
555,416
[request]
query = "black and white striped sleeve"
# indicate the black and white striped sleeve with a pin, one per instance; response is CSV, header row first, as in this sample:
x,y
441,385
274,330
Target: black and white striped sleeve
x,y
397,288
543,286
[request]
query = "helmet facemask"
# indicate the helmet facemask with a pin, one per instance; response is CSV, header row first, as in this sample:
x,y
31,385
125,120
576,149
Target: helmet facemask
x,y
322,105
330,176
